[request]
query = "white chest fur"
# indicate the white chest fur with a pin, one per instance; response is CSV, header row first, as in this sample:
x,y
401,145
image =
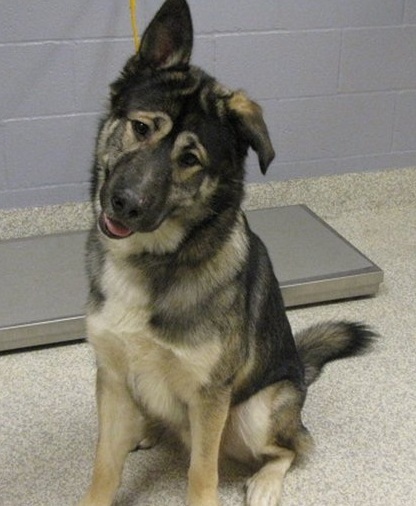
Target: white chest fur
x,y
126,308
162,375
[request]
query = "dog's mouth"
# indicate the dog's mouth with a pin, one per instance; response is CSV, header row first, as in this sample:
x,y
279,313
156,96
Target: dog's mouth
x,y
113,228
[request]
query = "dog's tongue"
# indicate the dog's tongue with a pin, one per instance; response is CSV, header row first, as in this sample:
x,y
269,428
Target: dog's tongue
x,y
116,228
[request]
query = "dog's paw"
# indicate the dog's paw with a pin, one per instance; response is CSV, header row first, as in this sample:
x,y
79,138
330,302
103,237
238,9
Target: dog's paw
x,y
203,502
198,497
263,489
90,501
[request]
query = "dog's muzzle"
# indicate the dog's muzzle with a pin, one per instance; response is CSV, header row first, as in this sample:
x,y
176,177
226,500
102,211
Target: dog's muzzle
x,y
127,212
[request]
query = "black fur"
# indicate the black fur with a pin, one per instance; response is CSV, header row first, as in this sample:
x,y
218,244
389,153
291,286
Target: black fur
x,y
330,341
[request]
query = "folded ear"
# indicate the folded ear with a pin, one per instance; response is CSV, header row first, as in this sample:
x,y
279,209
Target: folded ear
x,y
248,117
167,41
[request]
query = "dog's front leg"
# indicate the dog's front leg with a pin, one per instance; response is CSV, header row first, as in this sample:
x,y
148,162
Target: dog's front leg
x,y
208,413
119,420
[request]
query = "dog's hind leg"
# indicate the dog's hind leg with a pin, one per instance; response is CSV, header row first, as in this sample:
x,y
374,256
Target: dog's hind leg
x,y
267,431
121,430
265,487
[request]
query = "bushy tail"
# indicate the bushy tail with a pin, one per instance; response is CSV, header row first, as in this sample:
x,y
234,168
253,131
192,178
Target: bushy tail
x,y
325,342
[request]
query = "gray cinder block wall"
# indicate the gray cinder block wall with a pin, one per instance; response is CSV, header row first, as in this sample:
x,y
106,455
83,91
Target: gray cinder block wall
x,y
336,78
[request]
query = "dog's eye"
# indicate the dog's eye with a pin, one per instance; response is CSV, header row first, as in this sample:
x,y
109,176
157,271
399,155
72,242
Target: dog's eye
x,y
140,129
188,160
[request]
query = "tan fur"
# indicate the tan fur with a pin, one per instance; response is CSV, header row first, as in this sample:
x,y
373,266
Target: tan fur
x,y
222,92
265,487
159,123
241,104
188,142
207,415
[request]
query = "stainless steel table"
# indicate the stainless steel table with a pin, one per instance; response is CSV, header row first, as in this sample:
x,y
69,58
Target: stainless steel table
x,y
43,284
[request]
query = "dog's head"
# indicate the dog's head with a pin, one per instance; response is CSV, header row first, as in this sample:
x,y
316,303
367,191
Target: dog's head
x,y
174,142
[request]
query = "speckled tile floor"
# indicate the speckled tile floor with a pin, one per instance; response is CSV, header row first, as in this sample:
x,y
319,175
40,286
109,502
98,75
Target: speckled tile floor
x,y
362,411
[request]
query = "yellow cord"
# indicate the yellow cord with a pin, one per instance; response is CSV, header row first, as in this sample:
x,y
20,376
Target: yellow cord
x,y
134,24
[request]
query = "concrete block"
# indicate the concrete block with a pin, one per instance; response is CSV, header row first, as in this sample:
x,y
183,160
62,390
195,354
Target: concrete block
x,y
44,196
280,64
246,15
309,14
335,127
283,171
49,151
241,15
204,53
409,16
97,64
2,160
37,80
22,20
204,14
405,122
375,162
378,59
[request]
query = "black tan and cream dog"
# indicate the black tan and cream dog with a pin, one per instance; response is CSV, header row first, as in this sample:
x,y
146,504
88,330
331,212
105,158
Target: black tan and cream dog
x,y
185,314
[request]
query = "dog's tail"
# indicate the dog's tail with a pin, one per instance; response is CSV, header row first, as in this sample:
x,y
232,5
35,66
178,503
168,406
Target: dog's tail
x,y
325,342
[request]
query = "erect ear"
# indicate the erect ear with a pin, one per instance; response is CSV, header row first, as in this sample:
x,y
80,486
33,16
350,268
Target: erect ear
x,y
167,41
248,117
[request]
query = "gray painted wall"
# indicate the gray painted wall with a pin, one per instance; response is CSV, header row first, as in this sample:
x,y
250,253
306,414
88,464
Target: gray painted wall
x,y
336,78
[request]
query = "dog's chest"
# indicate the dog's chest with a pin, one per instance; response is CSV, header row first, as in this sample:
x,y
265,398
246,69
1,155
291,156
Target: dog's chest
x,y
127,300
166,380
163,377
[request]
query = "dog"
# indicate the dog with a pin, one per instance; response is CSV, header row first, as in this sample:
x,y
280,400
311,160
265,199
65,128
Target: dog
x,y
185,314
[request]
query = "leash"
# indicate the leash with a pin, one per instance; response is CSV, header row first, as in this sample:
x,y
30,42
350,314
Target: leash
x,y
136,37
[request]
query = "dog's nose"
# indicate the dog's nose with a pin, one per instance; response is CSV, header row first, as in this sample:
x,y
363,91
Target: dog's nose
x,y
129,205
